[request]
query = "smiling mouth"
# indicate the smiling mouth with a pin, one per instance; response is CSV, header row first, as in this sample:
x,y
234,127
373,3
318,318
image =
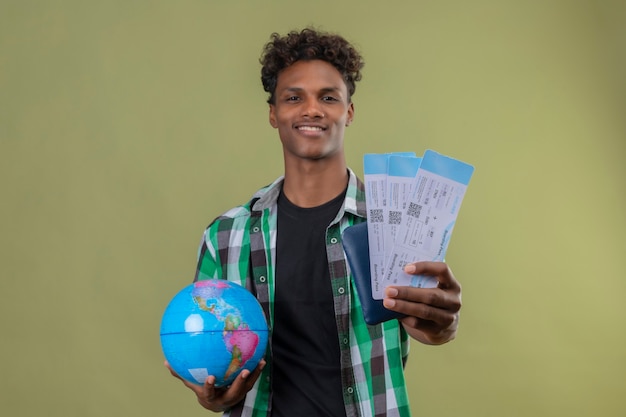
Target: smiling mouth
x,y
310,128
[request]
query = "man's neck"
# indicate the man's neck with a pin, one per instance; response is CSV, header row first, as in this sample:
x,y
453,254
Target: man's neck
x,y
314,184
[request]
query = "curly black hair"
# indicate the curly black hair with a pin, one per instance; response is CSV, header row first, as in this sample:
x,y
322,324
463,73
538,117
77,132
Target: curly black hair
x,y
309,44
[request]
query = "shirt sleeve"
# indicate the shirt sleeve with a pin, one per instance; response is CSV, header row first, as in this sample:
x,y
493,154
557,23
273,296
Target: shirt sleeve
x,y
207,263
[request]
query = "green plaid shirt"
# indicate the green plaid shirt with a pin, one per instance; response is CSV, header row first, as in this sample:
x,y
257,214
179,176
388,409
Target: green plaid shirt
x,y
240,246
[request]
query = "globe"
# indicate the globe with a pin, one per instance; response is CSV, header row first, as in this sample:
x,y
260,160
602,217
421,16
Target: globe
x,y
213,327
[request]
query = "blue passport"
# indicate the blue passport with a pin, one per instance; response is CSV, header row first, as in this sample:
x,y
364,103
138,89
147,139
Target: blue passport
x,y
356,247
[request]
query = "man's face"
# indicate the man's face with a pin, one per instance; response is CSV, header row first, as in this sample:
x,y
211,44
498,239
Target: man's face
x,y
311,110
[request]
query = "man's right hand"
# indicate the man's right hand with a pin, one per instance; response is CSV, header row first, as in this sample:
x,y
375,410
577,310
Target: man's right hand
x,y
220,399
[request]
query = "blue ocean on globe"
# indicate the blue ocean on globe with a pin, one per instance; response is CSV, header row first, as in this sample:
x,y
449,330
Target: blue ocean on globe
x,y
213,327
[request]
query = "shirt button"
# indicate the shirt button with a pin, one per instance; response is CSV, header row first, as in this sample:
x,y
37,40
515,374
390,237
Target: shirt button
x,y
255,229
345,340
262,278
350,390
333,240
341,290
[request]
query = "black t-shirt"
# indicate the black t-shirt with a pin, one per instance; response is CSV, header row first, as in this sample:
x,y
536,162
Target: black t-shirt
x,y
306,378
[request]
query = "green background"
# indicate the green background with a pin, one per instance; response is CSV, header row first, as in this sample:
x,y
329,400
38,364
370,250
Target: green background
x,y
126,126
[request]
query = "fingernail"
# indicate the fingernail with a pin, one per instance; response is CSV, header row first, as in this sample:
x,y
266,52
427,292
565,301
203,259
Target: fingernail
x,y
409,268
392,292
389,303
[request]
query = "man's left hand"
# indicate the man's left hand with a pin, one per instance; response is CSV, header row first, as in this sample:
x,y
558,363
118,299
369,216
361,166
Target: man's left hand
x,y
432,314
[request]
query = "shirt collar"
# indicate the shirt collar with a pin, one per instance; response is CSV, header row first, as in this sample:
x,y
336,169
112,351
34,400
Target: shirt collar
x,y
354,202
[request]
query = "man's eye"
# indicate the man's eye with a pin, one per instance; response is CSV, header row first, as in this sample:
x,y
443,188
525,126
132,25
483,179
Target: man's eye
x,y
329,98
292,98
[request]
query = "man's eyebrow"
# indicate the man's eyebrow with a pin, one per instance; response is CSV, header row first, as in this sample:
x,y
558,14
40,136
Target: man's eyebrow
x,y
293,89
331,90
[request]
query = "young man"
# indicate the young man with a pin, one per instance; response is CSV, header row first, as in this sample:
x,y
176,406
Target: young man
x,y
285,246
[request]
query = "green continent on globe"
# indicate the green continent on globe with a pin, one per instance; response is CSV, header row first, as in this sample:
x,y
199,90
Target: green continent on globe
x,y
233,323
235,362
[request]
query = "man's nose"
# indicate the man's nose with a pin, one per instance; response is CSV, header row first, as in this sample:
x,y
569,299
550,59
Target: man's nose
x,y
313,109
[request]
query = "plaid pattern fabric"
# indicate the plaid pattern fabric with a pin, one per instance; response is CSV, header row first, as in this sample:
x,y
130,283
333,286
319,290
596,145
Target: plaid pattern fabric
x,y
240,246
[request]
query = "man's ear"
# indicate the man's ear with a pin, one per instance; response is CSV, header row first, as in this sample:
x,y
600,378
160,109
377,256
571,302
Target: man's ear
x,y
273,116
350,114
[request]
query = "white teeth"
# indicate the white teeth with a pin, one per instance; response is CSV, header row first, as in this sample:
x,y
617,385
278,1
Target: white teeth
x,y
310,128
